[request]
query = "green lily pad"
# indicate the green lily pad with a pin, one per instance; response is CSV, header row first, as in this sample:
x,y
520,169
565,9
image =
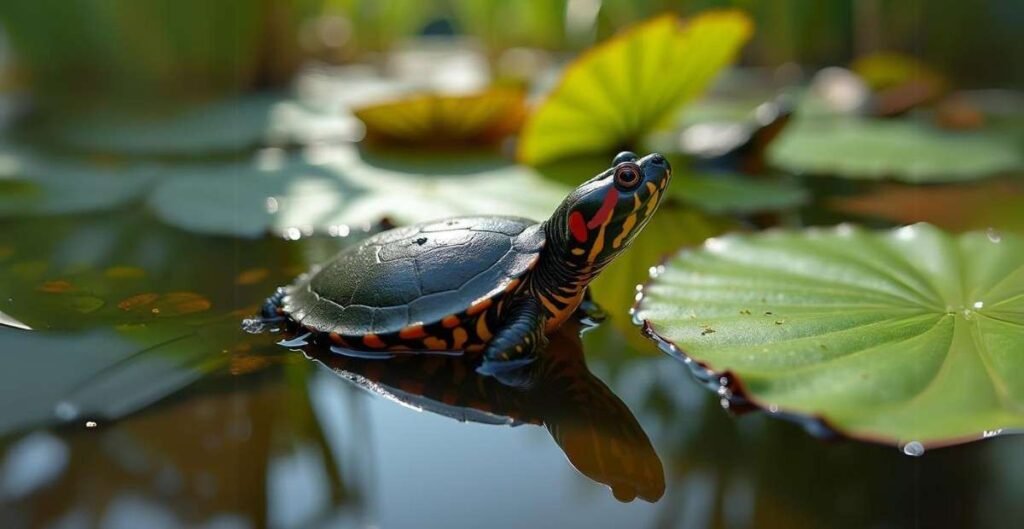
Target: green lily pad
x,y
295,197
899,149
33,183
736,194
910,336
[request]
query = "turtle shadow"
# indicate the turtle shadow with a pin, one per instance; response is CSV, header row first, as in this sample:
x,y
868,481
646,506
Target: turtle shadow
x,y
599,435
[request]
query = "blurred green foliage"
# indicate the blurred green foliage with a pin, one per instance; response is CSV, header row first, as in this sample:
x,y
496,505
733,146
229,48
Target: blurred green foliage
x,y
196,48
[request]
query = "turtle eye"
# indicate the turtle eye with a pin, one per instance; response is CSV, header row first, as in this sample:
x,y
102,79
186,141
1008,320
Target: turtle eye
x,y
627,176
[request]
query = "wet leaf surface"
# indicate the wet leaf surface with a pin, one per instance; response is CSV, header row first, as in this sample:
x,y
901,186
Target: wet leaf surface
x,y
901,336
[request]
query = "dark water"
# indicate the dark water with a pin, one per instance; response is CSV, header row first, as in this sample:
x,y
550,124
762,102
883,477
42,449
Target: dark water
x,y
138,401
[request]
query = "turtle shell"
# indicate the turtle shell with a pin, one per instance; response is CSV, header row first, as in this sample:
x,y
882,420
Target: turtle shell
x,y
417,274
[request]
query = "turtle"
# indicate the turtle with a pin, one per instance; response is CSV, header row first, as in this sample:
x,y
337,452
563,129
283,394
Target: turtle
x,y
491,286
600,436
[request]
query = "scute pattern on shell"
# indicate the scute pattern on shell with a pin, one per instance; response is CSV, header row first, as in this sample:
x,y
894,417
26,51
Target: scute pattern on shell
x,y
415,274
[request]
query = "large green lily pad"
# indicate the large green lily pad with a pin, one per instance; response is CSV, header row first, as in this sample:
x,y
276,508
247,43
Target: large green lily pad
x,y
903,150
910,336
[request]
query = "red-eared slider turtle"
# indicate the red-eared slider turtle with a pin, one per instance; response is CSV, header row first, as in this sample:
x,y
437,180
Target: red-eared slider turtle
x,y
597,432
491,285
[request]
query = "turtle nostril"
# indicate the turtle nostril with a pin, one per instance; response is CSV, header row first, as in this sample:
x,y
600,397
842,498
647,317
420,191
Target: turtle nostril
x,y
658,159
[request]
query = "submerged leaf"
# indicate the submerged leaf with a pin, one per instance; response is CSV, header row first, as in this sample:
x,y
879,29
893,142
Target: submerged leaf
x,y
625,88
899,336
898,149
448,120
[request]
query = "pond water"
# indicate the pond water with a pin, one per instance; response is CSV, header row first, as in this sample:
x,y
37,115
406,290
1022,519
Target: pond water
x,y
137,400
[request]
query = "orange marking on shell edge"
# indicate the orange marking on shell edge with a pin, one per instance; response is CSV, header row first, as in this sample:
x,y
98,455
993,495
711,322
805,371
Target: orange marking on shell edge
x,y
512,285
482,331
479,306
450,321
435,344
337,339
475,348
459,337
412,332
533,262
374,341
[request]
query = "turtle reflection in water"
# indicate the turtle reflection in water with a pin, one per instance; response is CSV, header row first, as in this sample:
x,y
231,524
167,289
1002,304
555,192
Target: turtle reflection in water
x,y
491,285
599,435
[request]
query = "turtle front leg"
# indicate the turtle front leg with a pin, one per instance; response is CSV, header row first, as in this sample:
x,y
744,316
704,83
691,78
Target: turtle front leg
x,y
516,344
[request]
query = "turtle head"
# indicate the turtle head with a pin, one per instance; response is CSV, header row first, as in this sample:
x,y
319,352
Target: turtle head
x,y
603,215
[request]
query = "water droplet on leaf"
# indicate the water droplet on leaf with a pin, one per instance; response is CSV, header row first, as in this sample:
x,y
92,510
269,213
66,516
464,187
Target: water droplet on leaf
x,y
913,449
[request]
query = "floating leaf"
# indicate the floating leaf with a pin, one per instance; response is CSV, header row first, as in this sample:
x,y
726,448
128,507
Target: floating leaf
x,y
438,119
903,336
32,183
736,194
628,86
898,149
341,191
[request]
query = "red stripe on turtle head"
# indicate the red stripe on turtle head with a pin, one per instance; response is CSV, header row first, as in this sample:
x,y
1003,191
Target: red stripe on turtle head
x,y
607,207
578,226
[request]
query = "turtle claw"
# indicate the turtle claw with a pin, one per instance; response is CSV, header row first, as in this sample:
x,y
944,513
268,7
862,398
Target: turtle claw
x,y
514,373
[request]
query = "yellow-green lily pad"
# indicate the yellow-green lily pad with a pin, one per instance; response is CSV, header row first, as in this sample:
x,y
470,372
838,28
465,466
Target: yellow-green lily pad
x,y
911,336
627,87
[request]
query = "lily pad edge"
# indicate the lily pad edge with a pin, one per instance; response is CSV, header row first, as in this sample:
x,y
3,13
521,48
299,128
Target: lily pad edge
x,y
737,399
